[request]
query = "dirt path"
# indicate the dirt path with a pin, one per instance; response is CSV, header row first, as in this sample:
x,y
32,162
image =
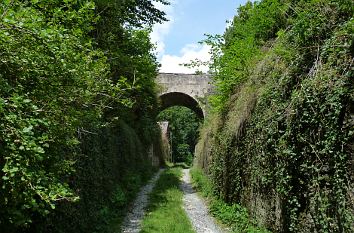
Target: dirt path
x,y
194,206
132,222
196,209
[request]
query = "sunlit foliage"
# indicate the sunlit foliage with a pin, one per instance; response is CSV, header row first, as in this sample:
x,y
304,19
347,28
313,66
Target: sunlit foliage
x,y
68,70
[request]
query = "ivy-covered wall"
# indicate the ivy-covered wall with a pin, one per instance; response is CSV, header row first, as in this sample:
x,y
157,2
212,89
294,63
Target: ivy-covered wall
x,y
281,144
113,165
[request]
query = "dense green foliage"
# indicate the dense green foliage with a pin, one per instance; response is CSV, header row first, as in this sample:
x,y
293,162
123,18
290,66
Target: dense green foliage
x,y
235,54
281,142
71,72
183,126
165,211
111,171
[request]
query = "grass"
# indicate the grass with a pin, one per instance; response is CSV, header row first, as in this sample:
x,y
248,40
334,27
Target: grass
x,y
233,216
165,212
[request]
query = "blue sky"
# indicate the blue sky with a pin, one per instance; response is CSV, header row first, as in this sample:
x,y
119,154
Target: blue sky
x,y
177,40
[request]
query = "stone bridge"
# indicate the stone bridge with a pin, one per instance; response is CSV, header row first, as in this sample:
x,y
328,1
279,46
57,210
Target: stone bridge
x,y
189,90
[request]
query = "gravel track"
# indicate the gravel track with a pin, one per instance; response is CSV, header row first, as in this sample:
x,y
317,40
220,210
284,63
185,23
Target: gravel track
x,y
132,221
196,209
194,206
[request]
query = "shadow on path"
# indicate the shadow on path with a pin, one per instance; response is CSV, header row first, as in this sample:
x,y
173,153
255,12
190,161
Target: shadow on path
x,y
132,221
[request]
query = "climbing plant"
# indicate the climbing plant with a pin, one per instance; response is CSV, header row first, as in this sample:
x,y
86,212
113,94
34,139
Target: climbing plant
x,y
282,144
69,71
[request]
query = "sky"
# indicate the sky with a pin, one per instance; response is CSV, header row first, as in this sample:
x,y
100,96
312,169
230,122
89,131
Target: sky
x,y
177,40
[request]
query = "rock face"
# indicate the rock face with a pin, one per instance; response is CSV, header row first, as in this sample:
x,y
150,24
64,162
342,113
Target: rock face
x,y
165,140
189,90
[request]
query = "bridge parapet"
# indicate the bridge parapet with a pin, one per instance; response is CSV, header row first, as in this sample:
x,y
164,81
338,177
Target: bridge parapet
x,y
189,90
194,85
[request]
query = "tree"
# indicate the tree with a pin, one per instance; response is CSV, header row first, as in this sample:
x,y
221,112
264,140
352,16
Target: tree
x,y
66,67
184,125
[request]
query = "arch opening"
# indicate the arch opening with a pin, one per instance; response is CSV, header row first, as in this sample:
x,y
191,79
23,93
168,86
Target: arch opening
x,y
171,99
180,133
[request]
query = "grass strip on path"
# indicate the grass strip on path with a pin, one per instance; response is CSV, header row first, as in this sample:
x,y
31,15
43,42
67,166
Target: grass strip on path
x,y
165,211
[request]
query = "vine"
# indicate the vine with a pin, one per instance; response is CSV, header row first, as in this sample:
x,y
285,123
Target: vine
x,y
283,145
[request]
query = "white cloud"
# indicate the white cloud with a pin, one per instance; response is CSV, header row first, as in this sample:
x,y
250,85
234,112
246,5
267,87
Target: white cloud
x,y
158,34
159,31
171,63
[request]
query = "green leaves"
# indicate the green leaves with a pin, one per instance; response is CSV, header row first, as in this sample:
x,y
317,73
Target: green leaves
x,y
45,67
25,174
234,56
67,69
285,132
183,125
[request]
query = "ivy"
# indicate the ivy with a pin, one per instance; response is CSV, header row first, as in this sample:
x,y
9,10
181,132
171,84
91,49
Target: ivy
x,y
283,144
69,69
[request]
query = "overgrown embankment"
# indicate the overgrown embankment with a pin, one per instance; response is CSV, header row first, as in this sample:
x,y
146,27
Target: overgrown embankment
x,y
77,112
281,142
112,167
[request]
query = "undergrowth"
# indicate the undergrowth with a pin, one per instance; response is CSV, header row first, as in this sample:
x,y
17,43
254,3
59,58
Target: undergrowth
x,y
234,216
107,182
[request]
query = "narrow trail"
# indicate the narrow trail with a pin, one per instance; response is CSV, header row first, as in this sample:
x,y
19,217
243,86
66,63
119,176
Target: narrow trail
x,y
196,209
194,206
132,222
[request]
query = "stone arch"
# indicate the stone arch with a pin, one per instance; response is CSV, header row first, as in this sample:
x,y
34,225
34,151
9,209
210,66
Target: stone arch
x,y
170,99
